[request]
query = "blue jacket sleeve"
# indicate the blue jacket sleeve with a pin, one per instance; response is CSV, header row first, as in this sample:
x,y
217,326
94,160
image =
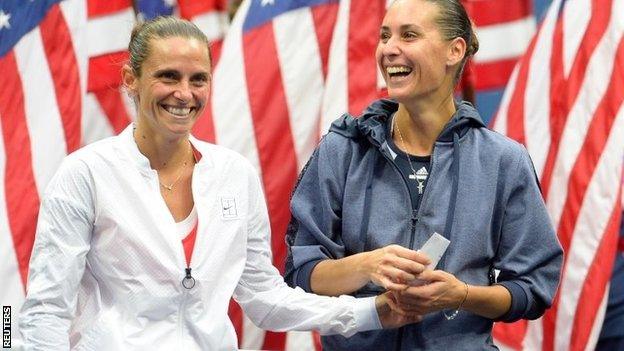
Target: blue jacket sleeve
x,y
314,232
529,254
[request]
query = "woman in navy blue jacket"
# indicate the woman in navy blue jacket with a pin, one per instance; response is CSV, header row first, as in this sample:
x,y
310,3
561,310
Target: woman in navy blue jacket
x,y
380,185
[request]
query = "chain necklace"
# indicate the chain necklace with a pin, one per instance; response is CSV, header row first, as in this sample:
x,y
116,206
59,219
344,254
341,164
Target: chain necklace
x,y
170,186
419,178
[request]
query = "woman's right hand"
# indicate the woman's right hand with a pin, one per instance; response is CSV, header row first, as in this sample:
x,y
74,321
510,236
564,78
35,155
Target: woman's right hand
x,y
389,267
393,265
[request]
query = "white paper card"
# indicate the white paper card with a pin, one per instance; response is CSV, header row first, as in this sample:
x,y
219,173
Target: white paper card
x,y
434,248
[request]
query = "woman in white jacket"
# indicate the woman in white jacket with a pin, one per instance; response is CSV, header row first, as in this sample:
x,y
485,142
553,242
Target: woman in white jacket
x,y
115,265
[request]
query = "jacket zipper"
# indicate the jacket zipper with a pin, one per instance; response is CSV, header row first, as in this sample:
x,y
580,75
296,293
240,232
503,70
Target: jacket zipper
x,y
188,283
187,276
415,217
181,313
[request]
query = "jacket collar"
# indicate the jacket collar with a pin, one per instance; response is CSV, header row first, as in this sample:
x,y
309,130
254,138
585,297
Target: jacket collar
x,y
371,124
131,150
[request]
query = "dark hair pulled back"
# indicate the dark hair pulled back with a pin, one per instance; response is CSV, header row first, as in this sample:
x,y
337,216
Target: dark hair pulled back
x,y
453,22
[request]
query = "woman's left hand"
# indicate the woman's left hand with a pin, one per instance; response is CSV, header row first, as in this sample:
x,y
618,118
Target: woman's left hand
x,y
439,290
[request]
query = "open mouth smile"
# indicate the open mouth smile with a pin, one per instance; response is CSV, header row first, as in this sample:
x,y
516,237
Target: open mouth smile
x,y
398,71
178,111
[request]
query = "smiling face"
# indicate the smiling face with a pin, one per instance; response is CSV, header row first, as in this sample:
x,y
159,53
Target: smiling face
x,y
172,88
414,58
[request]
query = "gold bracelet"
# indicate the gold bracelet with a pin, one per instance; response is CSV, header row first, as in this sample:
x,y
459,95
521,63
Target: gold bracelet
x,y
456,312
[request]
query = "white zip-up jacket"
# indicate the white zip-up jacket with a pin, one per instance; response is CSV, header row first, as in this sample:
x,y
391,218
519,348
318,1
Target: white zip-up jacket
x,y
107,263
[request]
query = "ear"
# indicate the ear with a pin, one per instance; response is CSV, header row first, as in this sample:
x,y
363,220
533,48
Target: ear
x,y
456,51
130,80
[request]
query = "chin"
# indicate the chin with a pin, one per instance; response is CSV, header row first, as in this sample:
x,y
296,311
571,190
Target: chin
x,y
183,129
179,130
400,95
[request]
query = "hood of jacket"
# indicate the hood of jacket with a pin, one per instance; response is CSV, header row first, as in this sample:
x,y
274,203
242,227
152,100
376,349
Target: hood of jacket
x,y
371,123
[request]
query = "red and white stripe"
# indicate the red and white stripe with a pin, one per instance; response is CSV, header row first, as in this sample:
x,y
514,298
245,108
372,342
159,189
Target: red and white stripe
x,y
40,123
209,15
565,102
504,29
12,293
107,110
353,80
266,105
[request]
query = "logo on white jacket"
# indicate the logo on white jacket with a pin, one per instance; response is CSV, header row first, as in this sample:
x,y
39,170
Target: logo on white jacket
x,y
228,207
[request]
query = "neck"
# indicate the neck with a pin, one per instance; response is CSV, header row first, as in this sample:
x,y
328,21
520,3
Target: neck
x,y
421,122
162,153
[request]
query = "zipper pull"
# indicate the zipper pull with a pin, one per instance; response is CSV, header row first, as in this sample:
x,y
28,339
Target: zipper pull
x,y
188,282
414,218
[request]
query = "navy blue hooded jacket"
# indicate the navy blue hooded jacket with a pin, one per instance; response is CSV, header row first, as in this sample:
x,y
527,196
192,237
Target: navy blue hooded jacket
x,y
482,194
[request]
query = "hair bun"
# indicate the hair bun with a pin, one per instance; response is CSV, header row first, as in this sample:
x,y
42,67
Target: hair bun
x,y
474,42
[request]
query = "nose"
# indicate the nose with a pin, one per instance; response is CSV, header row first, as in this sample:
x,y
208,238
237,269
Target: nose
x,y
390,47
183,92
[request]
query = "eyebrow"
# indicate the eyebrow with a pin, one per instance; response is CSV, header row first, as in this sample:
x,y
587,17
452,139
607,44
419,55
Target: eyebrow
x,y
404,27
202,75
160,72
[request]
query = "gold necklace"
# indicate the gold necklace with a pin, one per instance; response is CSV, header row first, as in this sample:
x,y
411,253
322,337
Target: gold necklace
x,y
170,186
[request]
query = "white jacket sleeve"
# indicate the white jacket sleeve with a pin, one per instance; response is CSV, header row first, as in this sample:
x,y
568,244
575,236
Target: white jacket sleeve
x,y
273,305
58,258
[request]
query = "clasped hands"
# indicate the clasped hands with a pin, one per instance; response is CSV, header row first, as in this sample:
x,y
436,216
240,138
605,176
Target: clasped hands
x,y
412,289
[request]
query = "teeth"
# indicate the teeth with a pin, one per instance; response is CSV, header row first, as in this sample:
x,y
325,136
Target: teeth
x,y
178,111
398,69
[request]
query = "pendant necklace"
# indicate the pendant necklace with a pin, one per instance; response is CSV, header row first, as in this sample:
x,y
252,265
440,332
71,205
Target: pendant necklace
x,y
182,167
419,176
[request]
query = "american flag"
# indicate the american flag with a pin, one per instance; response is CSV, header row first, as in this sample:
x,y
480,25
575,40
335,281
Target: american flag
x,y
266,98
504,29
283,72
42,74
564,102
107,109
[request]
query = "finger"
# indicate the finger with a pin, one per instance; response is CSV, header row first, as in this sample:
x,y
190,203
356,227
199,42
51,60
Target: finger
x,y
392,295
395,307
395,287
425,292
396,274
412,318
392,286
413,291
409,266
434,276
389,273
412,255
408,300
415,318
395,304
